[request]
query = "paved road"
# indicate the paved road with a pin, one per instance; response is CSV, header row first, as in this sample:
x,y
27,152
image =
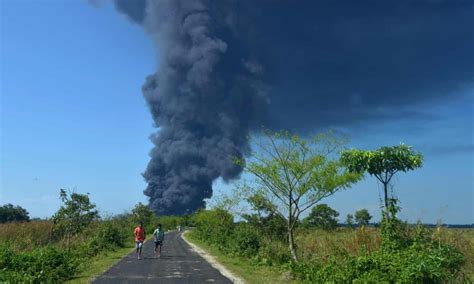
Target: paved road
x,y
178,264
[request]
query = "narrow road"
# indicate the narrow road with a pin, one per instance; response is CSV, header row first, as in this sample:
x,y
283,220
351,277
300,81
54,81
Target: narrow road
x,y
178,264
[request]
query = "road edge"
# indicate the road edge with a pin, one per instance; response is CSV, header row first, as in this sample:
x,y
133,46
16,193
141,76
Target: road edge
x,y
213,262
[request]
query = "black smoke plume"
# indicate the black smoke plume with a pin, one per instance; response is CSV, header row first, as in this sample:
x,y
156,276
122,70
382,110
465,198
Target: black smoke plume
x,y
229,66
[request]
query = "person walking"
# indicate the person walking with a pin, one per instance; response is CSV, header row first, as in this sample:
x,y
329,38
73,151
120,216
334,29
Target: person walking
x,y
139,233
159,237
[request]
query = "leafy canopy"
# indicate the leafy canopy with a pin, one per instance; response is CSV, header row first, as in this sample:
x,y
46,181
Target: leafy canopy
x,y
384,162
297,173
76,213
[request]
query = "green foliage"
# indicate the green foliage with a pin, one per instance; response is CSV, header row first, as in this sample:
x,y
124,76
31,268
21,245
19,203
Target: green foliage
x,y
273,252
385,160
403,257
10,213
214,226
298,173
41,265
28,253
273,226
250,240
106,235
245,240
322,216
382,163
427,261
267,219
141,213
171,222
76,213
259,203
362,217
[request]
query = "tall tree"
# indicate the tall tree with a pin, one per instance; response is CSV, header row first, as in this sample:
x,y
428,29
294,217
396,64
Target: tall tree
x,y
10,213
362,217
322,216
383,163
298,173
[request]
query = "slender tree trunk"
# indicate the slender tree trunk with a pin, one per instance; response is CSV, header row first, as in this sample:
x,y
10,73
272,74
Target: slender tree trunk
x,y
385,190
291,242
290,227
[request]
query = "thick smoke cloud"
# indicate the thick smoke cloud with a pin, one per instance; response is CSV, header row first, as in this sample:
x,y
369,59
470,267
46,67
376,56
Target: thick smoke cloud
x,y
205,98
227,67
134,10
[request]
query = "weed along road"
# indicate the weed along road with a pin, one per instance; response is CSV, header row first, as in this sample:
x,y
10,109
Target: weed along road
x,y
179,263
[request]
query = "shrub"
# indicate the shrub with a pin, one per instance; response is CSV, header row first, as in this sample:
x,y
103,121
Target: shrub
x,y
42,265
108,235
245,240
214,226
273,253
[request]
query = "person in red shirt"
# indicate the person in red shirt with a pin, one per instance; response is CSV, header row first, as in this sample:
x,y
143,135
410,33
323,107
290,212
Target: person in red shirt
x,y
139,233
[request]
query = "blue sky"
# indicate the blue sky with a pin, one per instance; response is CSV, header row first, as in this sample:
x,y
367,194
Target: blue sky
x,y
72,116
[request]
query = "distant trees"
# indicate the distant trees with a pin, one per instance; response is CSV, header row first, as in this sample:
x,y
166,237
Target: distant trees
x,y
298,173
350,220
362,217
10,213
322,216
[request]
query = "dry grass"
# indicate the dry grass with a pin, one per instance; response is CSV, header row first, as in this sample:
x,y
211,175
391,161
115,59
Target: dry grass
x,y
26,235
320,245
463,239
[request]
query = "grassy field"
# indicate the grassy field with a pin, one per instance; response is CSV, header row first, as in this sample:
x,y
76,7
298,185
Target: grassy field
x,y
319,245
91,252
242,267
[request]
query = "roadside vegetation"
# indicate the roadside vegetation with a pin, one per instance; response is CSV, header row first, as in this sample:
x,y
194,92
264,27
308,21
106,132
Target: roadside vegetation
x,y
74,244
293,175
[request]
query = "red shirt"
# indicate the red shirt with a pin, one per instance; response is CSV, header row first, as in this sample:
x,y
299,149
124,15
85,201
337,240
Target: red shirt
x,y
139,234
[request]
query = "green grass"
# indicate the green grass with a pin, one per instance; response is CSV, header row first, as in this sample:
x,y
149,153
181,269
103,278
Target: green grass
x,y
99,264
242,267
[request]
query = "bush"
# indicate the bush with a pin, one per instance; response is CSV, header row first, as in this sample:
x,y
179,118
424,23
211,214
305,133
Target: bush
x,y
273,253
108,235
42,265
214,226
245,240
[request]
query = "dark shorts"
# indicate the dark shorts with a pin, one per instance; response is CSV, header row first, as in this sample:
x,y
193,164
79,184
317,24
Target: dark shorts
x,y
158,243
138,244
